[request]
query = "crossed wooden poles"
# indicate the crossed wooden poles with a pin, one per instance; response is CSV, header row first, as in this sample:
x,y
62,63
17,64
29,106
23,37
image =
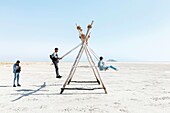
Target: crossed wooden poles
x,y
84,48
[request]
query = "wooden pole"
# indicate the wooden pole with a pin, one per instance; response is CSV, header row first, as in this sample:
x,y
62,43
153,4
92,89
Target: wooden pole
x,y
92,66
97,72
85,39
75,62
78,60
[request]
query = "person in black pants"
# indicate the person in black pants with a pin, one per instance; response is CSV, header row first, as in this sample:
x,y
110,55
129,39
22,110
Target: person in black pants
x,y
55,59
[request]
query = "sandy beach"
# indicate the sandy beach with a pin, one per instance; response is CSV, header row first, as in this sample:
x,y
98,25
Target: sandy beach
x,y
139,87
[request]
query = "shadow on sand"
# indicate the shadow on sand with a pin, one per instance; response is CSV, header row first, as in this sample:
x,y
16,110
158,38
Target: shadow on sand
x,y
5,86
30,93
33,92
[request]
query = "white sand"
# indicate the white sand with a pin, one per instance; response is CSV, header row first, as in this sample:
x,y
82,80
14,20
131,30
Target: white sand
x,y
135,88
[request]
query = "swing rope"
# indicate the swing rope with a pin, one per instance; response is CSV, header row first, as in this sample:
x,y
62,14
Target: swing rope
x,y
94,54
71,50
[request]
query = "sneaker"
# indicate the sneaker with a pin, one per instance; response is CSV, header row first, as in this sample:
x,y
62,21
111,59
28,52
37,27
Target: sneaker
x,y
19,85
14,85
58,76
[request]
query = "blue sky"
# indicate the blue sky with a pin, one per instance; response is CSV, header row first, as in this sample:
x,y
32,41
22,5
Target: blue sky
x,y
125,30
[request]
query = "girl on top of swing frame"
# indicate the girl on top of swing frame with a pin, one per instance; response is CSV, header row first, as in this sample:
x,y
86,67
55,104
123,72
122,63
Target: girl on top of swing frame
x,y
102,65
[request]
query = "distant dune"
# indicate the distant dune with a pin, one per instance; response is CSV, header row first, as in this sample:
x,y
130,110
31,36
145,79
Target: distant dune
x,y
111,60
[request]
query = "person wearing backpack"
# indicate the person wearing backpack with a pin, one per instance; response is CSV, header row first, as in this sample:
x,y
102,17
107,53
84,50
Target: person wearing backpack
x,y
55,59
16,71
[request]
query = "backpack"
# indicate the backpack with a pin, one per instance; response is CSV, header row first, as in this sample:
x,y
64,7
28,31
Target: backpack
x,y
52,58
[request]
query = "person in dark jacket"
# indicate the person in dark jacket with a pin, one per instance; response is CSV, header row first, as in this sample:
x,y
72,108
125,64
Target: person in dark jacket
x,y
55,59
16,71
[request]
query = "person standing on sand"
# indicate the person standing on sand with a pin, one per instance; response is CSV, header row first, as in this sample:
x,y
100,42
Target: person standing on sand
x,y
102,66
55,59
16,71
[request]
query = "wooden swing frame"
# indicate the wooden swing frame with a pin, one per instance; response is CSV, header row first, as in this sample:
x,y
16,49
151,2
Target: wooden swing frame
x,y
84,48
